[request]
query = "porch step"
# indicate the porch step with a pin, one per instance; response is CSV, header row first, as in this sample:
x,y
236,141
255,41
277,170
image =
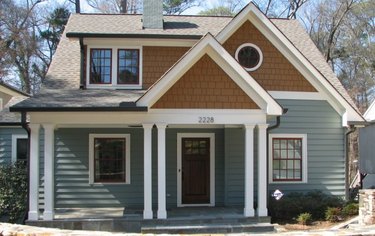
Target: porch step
x,y
208,228
191,225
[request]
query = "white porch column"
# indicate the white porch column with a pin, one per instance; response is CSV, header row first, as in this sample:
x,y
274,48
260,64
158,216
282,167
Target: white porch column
x,y
262,170
49,156
162,210
147,171
249,171
34,172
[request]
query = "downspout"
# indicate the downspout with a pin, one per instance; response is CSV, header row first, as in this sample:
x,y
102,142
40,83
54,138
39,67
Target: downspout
x,y
25,125
82,64
278,121
351,129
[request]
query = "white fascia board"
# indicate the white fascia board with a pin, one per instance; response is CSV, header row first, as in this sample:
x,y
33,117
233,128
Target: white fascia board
x,y
210,46
370,112
294,56
153,116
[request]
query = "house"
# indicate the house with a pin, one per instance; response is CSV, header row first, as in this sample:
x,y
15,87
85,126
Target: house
x,y
366,149
13,137
160,112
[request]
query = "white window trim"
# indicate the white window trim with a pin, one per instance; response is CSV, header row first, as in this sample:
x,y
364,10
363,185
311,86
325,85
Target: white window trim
x,y
91,157
211,136
256,48
114,69
14,145
304,157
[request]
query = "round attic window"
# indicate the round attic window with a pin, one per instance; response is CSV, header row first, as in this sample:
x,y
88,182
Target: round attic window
x,y
249,56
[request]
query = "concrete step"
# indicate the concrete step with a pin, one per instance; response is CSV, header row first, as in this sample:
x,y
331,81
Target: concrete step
x,y
208,228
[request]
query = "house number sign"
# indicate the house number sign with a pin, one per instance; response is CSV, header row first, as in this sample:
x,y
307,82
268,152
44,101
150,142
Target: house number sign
x,y
206,119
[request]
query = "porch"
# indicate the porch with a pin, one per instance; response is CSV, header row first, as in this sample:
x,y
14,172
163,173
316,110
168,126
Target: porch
x,y
180,220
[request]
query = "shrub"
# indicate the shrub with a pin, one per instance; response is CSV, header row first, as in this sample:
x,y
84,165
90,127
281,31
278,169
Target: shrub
x,y
13,192
333,214
350,209
304,218
294,204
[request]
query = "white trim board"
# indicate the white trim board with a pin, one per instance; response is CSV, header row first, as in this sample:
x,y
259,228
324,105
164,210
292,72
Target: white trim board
x,y
304,158
211,136
91,157
296,95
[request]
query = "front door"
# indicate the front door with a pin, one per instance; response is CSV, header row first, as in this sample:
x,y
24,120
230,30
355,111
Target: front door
x,y
195,170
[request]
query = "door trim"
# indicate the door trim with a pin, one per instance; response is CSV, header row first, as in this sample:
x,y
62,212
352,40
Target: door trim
x,y
211,136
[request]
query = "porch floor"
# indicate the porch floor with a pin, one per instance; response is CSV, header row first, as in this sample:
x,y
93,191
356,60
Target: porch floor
x,y
180,220
135,214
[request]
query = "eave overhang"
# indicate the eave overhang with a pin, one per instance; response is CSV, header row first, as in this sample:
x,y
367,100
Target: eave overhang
x,y
144,36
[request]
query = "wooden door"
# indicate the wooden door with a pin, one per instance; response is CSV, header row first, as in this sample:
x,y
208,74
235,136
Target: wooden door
x,y
195,170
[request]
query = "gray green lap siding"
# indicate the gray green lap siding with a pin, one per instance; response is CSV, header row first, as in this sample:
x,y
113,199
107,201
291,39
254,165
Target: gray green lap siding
x,y
325,145
6,142
317,119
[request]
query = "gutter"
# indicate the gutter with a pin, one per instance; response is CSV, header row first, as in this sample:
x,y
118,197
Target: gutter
x,y
138,36
82,64
79,109
25,125
351,129
278,121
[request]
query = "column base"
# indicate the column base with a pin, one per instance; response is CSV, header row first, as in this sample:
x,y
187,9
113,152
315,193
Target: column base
x,y
48,215
262,212
147,215
248,212
33,215
162,214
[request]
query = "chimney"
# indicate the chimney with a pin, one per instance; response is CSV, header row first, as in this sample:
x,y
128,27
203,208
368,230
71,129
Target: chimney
x,y
152,14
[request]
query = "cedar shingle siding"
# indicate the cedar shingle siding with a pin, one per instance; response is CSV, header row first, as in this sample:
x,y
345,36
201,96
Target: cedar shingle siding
x,y
276,73
205,86
157,60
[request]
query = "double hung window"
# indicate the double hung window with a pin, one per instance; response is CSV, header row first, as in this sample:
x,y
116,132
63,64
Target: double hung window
x,y
114,67
288,157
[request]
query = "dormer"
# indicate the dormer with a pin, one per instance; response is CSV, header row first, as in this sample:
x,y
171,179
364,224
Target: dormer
x,y
116,66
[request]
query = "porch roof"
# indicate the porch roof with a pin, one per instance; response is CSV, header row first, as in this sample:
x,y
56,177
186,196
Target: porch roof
x,y
82,100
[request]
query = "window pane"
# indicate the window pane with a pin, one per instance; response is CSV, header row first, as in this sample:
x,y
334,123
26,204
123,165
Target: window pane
x,y
287,159
276,154
110,159
100,66
22,144
128,66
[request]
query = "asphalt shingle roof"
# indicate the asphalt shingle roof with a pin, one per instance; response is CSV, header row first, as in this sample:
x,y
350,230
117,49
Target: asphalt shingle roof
x,y
132,24
61,87
11,117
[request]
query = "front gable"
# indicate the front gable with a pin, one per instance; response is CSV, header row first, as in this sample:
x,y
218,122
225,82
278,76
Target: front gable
x,y
327,86
276,73
207,76
205,86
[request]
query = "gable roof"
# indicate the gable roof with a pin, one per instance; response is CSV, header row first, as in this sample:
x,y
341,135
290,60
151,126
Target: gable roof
x,y
209,45
300,50
124,25
12,91
64,71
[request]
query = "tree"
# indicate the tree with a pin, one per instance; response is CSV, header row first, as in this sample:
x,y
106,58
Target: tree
x,y
217,11
135,6
282,8
50,33
176,7
116,6
28,41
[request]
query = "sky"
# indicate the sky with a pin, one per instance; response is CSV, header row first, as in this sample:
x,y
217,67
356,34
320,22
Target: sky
x,y
192,11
